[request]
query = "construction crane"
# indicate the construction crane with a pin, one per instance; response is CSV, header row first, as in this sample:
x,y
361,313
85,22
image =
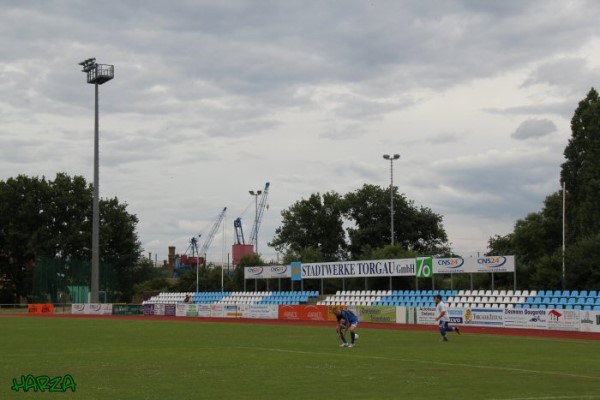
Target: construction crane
x,y
213,232
194,255
259,213
240,248
239,232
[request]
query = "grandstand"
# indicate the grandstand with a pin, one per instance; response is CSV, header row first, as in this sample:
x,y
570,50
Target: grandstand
x,y
268,297
542,299
576,300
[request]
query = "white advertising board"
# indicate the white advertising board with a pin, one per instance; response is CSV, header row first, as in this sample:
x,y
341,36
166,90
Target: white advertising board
x,y
563,320
484,316
526,318
426,315
589,321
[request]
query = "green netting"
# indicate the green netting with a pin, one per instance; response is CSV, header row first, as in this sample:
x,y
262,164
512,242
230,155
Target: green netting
x,y
68,281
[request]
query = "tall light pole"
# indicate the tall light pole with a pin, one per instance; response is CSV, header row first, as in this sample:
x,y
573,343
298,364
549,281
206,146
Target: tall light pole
x,y
392,158
258,193
97,74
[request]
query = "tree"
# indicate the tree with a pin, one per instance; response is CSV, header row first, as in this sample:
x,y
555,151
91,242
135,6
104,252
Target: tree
x,y
313,223
581,170
417,229
534,241
52,219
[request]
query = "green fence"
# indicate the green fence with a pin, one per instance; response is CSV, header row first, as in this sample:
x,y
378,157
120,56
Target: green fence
x,y
68,281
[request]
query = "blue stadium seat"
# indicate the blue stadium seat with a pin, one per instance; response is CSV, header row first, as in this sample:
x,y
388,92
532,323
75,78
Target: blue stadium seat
x,y
557,307
581,301
557,293
572,300
578,307
529,300
593,293
546,300
518,306
583,293
537,300
555,300
542,306
597,302
596,308
587,308
575,293
541,293
563,301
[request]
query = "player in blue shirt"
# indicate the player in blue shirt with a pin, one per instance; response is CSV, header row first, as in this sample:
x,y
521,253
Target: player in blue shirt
x,y
346,320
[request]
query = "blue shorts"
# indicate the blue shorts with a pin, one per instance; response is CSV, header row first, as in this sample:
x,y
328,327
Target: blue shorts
x,y
443,324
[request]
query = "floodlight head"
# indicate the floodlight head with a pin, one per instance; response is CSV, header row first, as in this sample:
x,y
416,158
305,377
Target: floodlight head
x,y
396,156
251,192
386,156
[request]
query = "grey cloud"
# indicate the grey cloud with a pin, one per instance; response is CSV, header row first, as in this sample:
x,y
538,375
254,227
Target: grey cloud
x,y
564,109
533,128
570,75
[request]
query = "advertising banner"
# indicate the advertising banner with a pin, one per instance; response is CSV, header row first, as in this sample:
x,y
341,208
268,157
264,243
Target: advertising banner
x,y
148,309
45,308
564,320
303,313
455,265
204,310
78,308
119,309
423,267
589,321
261,311
426,315
269,272
170,310
217,310
234,311
94,309
356,269
456,315
381,314
192,310
159,309
401,315
181,310
484,316
411,315
526,318
458,265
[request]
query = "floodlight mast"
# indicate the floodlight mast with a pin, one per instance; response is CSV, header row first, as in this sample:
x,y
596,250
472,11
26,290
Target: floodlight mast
x,y
392,159
97,74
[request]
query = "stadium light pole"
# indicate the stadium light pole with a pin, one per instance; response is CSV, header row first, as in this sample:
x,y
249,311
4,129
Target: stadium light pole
x,y
258,193
391,158
97,74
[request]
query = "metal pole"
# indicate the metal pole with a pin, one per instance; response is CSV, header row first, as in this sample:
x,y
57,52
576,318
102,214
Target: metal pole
x,y
256,223
563,236
392,197
96,209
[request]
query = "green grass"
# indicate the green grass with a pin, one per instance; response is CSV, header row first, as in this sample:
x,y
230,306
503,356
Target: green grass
x,y
137,359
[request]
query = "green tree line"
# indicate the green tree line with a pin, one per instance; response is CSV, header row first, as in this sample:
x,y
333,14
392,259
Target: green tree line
x,y
537,239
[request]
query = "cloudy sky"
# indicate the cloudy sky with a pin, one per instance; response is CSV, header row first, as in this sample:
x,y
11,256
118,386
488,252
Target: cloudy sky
x,y
212,99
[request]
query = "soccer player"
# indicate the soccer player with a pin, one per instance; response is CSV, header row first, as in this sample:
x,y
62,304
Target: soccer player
x,y
443,319
346,320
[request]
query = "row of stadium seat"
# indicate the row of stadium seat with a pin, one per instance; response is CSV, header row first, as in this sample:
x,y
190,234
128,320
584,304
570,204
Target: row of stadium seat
x,y
264,297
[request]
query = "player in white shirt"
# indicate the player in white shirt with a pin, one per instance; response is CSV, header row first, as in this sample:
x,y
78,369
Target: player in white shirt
x,y
443,319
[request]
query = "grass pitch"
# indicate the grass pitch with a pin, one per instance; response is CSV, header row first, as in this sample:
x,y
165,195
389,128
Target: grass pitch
x,y
147,359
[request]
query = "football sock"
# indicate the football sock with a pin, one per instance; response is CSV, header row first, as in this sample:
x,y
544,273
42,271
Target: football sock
x,y
352,336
